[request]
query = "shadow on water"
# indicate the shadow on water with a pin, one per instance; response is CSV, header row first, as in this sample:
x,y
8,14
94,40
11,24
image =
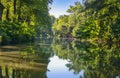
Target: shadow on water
x,y
84,59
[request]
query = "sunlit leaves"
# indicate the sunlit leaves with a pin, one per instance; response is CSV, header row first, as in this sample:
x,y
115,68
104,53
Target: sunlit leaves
x,y
22,19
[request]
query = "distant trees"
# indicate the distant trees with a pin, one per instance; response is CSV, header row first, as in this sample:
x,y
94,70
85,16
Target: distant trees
x,y
60,27
96,20
21,20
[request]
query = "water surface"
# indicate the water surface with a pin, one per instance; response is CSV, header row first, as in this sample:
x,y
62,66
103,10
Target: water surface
x,y
54,58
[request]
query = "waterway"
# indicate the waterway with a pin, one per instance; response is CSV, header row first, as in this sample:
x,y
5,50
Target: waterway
x,y
60,58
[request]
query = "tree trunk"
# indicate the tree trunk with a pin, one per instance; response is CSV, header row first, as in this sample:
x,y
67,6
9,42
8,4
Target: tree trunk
x,y
13,74
19,11
1,11
15,10
1,76
6,70
15,6
7,15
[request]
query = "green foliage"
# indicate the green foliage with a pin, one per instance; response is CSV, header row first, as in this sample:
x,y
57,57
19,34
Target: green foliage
x,y
21,20
61,27
96,19
15,33
88,30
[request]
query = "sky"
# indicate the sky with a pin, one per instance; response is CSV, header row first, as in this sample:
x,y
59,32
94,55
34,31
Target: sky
x,y
59,7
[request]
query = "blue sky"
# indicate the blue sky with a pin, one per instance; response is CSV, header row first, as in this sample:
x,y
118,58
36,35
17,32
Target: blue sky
x,y
59,7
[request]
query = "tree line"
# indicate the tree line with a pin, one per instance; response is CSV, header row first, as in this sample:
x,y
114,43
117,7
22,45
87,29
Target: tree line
x,y
21,20
93,20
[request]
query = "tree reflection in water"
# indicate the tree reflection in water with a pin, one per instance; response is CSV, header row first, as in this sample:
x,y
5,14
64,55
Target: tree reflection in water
x,y
23,61
99,60
89,59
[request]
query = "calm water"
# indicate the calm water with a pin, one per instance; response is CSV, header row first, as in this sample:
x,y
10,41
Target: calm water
x,y
50,58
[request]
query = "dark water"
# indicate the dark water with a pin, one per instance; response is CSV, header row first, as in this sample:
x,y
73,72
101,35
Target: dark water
x,y
50,58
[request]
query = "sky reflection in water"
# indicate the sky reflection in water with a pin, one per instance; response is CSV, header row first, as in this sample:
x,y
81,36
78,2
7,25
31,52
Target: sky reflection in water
x,y
57,69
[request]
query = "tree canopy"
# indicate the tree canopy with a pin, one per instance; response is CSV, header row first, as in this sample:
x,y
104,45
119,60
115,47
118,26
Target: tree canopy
x,y
95,19
21,20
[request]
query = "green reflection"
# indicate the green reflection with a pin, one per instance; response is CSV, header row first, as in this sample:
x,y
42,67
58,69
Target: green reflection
x,y
24,61
31,61
99,60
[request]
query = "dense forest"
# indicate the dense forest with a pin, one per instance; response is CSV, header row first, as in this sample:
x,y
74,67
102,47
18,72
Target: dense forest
x,y
94,20
22,20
